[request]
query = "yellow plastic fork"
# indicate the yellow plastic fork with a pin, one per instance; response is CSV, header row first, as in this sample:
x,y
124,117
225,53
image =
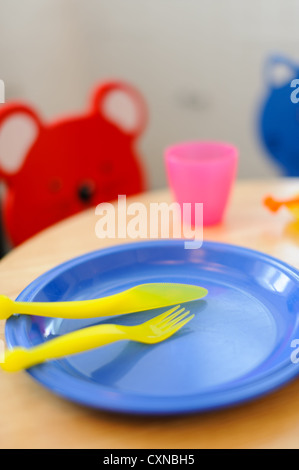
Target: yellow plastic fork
x,y
152,331
136,299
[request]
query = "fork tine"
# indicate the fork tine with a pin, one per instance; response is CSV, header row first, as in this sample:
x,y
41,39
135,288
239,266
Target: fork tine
x,y
165,320
179,325
161,317
176,320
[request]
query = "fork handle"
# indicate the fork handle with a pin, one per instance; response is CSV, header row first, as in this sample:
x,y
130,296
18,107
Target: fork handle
x,y
71,343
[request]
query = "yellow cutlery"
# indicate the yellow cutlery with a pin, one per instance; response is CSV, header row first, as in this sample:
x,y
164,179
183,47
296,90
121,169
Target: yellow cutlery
x,y
155,330
138,298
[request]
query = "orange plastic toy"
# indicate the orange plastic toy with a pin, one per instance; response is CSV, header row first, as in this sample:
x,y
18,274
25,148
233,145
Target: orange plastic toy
x,y
291,204
54,170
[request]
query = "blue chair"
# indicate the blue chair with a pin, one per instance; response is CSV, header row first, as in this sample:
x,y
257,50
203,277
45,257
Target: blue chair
x,y
278,122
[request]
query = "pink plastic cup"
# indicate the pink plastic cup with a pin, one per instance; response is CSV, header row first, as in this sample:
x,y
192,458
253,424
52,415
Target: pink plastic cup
x,y
202,172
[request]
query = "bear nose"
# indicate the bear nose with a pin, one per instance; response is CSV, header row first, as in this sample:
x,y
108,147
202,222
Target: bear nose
x,y
86,191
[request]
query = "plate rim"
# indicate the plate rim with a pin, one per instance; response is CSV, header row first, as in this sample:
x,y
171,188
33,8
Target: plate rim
x,y
80,391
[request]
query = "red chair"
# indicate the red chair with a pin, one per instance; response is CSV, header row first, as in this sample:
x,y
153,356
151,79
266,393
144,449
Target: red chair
x,y
54,170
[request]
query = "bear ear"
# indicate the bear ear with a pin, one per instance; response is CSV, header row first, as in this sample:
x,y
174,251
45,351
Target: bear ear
x,y
121,104
279,70
19,128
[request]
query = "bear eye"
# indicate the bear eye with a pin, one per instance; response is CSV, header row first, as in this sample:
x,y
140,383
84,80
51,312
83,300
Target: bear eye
x,y
273,141
86,191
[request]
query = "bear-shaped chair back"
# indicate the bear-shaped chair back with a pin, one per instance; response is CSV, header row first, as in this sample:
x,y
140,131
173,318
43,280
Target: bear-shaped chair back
x,y
278,119
54,170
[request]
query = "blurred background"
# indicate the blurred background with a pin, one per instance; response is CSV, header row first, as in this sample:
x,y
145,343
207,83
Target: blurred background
x,y
198,63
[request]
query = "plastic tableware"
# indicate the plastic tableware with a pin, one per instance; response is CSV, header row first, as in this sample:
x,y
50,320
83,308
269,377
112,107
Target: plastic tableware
x,y
153,331
236,348
291,204
135,299
202,172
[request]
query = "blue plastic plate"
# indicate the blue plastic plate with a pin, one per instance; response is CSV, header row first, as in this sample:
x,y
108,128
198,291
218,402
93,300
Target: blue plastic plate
x,y
237,347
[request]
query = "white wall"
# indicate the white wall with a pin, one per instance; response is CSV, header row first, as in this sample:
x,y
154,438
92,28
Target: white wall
x,y
197,62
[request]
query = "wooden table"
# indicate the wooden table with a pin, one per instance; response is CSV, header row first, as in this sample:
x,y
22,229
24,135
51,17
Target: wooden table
x,y
33,417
